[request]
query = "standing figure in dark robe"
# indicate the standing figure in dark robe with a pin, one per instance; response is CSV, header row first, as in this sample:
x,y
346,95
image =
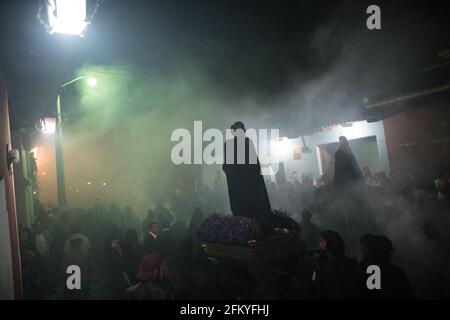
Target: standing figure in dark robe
x,y
246,188
346,167
338,277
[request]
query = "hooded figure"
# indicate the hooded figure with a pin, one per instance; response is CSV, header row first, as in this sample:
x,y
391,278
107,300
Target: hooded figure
x,y
338,277
379,250
246,188
346,167
308,230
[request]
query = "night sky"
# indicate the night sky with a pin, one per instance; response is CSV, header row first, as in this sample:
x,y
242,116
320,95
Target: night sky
x,y
268,49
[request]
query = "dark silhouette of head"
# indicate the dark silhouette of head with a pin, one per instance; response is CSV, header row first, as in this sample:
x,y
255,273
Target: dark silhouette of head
x,y
131,236
115,232
238,125
38,228
344,145
332,242
343,140
25,234
27,255
179,228
383,249
367,242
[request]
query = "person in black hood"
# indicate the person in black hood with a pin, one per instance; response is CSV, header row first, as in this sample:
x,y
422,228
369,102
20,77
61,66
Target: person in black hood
x,y
114,265
346,167
338,277
379,251
246,187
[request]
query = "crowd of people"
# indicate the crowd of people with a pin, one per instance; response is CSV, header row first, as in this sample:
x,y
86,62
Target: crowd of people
x,y
162,258
113,249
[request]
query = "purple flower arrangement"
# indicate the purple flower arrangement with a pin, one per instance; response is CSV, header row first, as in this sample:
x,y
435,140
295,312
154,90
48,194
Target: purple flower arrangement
x,y
229,230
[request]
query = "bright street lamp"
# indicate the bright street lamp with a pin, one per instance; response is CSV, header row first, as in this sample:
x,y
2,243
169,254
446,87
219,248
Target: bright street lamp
x,y
92,82
67,16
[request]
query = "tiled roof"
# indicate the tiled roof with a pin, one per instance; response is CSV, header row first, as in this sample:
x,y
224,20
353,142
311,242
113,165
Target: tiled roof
x,y
425,82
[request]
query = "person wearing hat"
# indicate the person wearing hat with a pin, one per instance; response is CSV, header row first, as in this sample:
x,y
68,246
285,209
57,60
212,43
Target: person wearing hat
x,y
246,188
150,287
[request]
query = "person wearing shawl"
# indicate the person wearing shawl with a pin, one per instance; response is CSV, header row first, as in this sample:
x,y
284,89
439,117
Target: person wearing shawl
x,y
338,277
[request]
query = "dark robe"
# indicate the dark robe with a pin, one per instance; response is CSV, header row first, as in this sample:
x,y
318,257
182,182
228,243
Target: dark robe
x,y
115,266
394,282
346,168
338,278
132,254
169,243
246,188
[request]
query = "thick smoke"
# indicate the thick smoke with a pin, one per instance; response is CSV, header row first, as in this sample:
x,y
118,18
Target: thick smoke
x,y
353,63
118,134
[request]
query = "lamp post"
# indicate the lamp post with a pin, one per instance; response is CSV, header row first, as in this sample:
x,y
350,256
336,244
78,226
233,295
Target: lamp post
x,y
60,176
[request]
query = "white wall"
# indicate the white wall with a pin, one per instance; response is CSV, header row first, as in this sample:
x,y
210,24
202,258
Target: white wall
x,y
310,161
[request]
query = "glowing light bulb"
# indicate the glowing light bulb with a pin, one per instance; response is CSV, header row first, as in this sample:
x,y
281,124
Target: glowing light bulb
x,y
92,82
